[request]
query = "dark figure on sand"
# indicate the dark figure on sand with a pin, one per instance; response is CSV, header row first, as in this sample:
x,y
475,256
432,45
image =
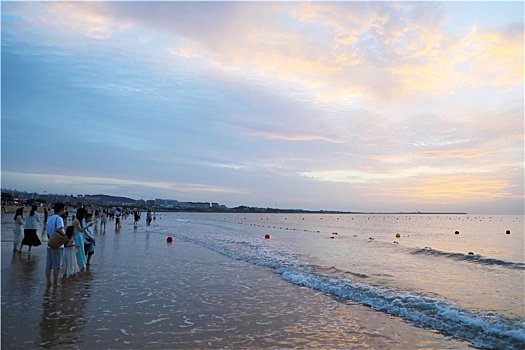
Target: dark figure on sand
x,y
136,215
148,218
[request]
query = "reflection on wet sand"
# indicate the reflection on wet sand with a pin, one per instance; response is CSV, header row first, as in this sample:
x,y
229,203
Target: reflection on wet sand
x,y
63,308
25,270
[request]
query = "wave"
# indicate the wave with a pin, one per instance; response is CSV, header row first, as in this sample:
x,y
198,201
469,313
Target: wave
x,y
481,329
334,271
474,258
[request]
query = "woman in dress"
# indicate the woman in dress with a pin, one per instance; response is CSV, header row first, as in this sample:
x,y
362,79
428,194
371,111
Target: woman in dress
x,y
81,256
19,223
103,221
70,266
30,229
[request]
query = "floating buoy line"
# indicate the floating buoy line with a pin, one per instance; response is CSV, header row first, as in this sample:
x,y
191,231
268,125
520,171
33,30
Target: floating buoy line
x,y
333,234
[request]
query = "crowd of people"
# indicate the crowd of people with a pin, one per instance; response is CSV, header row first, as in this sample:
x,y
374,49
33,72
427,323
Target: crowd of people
x,y
74,256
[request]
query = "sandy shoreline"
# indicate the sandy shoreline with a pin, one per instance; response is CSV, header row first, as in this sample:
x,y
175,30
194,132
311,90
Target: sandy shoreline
x,y
144,293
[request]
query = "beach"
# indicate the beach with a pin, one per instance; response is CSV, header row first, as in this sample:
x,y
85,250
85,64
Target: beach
x,y
142,292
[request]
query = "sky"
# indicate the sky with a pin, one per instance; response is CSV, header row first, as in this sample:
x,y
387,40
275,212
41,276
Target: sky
x,y
353,106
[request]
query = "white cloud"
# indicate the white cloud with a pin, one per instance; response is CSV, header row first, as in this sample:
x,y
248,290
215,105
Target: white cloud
x,y
219,94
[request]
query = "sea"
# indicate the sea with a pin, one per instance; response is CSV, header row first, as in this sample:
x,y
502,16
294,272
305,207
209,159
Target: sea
x,y
460,275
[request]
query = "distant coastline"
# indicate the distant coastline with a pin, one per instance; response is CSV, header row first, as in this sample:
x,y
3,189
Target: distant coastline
x,y
11,199
10,209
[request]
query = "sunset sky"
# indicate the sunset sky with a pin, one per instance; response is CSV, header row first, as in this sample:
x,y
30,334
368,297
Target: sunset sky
x,y
355,106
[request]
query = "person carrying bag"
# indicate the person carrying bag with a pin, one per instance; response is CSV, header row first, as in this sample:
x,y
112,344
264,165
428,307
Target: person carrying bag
x,y
57,240
57,237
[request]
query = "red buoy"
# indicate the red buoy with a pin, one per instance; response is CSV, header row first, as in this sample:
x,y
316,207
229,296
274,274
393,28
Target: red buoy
x,y
267,236
169,239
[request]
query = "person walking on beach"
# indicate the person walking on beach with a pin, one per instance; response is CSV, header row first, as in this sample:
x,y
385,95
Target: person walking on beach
x,y
103,221
81,255
70,256
136,215
148,218
89,240
31,228
117,219
54,255
17,230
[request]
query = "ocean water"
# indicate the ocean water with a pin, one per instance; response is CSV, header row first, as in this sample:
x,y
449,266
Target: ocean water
x,y
468,285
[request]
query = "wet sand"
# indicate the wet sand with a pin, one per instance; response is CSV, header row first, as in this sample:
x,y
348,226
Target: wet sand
x,y
143,293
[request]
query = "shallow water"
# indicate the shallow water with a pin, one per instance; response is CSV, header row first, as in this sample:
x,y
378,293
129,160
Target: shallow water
x,y
298,289
425,276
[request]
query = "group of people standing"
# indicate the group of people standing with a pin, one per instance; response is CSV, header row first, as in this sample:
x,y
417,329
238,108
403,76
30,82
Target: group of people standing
x,y
100,218
74,256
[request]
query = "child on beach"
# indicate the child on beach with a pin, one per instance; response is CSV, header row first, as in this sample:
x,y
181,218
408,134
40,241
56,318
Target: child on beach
x,y
70,257
97,219
89,240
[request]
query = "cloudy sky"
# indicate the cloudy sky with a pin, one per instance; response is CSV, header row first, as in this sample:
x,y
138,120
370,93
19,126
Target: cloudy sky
x,y
359,106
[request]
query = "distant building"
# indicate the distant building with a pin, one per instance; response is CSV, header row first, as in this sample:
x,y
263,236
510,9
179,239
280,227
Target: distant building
x,y
107,200
201,205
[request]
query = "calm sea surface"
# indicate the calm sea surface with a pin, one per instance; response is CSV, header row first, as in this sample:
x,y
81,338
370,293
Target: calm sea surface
x,y
469,285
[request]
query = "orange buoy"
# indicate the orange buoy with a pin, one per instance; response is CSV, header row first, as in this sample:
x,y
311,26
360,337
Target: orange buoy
x,y
266,236
169,239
